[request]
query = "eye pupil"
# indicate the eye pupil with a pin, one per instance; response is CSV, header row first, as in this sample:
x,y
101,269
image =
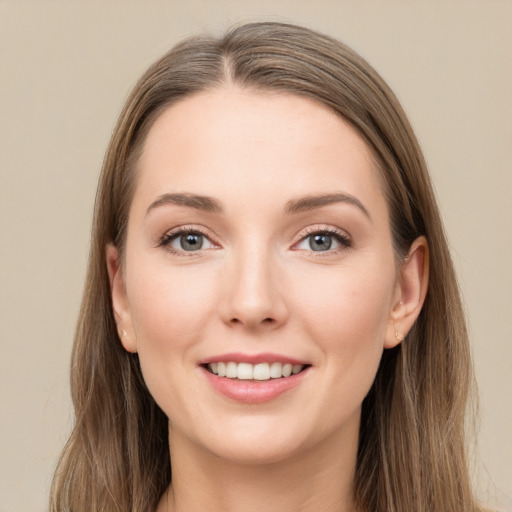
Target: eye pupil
x,y
191,242
320,242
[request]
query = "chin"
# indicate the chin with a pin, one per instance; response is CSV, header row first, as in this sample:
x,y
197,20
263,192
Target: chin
x,y
257,441
243,441
257,451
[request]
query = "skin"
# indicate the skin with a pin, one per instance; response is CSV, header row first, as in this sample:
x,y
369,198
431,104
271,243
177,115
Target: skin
x,y
258,286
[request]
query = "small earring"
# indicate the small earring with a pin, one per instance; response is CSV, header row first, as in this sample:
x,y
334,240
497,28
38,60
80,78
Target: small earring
x,y
124,333
399,336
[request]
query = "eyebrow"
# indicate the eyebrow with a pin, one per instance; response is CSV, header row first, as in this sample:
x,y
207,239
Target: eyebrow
x,y
204,203
311,202
209,204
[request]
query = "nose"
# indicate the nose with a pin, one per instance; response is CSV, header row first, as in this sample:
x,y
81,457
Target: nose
x,y
252,295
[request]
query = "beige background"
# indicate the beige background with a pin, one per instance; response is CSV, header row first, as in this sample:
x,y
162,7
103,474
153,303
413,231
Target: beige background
x,y
65,69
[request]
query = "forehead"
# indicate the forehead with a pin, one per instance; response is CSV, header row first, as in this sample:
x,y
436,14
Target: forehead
x,y
233,142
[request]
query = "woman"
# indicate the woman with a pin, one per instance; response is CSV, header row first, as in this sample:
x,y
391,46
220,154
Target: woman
x,y
270,308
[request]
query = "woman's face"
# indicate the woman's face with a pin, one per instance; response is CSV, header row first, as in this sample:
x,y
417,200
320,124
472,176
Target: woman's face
x,y
258,243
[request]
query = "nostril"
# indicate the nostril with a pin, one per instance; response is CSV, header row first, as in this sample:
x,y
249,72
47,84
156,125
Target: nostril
x,y
267,320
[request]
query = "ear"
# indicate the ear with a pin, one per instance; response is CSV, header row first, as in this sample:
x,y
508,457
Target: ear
x,y
120,303
410,292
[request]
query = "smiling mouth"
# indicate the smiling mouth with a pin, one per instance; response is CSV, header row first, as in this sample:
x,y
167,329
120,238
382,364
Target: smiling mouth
x,y
258,372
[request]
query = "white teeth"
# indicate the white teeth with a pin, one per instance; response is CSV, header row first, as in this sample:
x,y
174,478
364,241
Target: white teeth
x,y
245,371
276,370
231,370
261,371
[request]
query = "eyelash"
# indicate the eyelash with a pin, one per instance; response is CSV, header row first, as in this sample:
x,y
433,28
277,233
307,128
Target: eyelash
x,y
172,235
340,236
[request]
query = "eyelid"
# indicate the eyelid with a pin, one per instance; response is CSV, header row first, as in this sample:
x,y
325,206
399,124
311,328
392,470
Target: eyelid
x,y
343,238
175,232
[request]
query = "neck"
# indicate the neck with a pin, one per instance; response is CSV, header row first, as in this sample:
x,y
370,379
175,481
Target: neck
x,y
320,479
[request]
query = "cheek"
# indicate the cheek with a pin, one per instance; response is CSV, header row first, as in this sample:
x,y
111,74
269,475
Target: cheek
x,y
170,309
346,311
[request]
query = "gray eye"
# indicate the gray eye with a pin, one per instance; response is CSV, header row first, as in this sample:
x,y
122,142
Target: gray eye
x,y
187,242
324,241
191,241
320,242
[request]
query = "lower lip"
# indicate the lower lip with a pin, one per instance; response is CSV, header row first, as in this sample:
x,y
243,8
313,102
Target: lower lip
x,y
254,392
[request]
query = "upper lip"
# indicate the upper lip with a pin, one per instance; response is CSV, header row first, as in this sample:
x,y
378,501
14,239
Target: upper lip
x,y
264,357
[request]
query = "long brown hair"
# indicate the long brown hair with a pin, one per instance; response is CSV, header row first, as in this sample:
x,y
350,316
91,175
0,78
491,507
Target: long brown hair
x,y
412,444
